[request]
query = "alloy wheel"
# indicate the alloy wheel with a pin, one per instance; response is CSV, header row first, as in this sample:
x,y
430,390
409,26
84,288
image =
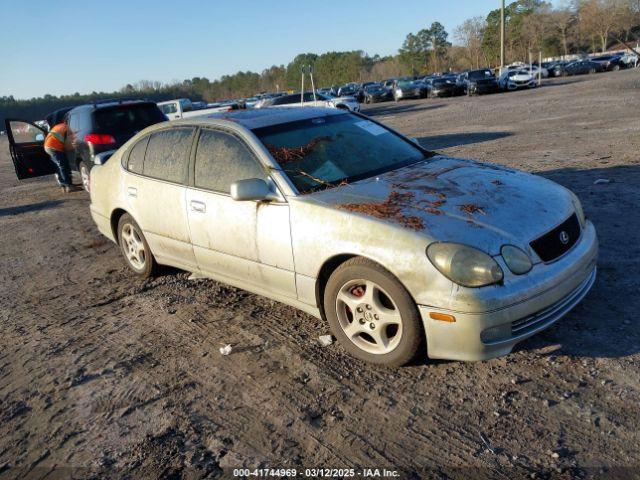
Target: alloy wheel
x,y
133,246
368,316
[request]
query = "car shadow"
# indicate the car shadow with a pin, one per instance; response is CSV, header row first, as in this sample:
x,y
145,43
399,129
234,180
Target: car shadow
x,y
605,323
388,108
33,207
437,142
566,80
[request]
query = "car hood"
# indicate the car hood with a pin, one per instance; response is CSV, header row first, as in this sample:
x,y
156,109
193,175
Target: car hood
x,y
448,199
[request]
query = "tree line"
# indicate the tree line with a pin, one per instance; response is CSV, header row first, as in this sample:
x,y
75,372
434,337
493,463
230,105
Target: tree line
x,y
579,26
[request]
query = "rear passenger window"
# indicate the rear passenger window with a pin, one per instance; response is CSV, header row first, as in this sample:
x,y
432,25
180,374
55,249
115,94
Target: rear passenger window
x,y
167,156
136,156
222,159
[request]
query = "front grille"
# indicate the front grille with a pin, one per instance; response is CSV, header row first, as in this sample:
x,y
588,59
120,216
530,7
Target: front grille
x,y
558,241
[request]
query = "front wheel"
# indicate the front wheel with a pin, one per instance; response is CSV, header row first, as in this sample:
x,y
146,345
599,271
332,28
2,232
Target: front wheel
x,y
134,247
372,314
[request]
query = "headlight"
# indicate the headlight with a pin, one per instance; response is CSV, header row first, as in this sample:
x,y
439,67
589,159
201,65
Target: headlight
x,y
517,260
579,212
466,266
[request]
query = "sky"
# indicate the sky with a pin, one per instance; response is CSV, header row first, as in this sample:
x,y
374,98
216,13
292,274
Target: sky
x,y
62,47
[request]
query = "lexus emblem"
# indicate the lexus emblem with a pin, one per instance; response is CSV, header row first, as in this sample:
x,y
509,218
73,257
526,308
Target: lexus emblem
x,y
564,237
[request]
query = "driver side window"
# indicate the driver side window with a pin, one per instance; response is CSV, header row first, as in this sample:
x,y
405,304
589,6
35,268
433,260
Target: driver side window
x,y
222,159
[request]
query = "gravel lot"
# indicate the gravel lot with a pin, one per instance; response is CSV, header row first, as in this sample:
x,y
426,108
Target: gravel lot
x,y
104,375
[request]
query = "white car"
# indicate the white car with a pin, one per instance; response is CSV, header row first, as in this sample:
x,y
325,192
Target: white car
x,y
399,249
533,69
516,79
183,108
308,100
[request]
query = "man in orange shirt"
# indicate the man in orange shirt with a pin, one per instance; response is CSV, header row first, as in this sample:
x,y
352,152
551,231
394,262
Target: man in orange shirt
x,y
54,146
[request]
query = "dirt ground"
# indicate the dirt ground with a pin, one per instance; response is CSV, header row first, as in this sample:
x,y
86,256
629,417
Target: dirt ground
x,y
103,375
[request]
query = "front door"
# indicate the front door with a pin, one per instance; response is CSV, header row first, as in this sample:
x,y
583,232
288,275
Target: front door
x,y
243,243
26,145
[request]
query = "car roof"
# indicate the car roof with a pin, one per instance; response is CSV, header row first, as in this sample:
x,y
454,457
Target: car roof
x,y
111,103
264,117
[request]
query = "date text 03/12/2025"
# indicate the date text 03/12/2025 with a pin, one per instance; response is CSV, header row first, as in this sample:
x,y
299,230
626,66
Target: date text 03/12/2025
x,y
316,473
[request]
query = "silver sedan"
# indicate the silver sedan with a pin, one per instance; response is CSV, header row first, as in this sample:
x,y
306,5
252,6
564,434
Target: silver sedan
x,y
399,249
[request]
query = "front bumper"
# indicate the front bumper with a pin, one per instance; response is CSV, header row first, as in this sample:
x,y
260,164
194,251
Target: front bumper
x,y
408,94
519,85
443,92
557,288
484,88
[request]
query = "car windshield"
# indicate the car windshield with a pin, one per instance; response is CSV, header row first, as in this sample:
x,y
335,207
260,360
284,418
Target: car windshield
x,y
373,88
480,74
127,119
322,152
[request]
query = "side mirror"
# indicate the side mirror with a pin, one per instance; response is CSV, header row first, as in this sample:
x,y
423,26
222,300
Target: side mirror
x,y
101,158
251,189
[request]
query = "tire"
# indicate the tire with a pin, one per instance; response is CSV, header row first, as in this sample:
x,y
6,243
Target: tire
x,y
616,68
132,245
85,175
374,295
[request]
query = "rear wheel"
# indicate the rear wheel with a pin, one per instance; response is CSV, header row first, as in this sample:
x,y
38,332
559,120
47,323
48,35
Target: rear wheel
x,y
372,314
616,68
134,247
85,175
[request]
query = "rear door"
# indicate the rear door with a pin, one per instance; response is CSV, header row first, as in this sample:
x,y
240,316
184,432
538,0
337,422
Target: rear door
x,y
155,191
26,144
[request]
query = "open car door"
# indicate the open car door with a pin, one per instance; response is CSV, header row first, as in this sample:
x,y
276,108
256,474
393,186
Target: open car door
x,y
26,144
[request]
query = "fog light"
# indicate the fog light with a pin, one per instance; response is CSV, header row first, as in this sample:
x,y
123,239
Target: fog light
x,y
496,334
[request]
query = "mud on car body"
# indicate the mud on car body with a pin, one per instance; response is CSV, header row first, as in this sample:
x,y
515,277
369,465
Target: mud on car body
x,y
396,247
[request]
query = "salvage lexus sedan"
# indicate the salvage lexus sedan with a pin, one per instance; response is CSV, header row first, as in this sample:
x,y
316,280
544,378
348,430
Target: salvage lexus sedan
x,y
399,249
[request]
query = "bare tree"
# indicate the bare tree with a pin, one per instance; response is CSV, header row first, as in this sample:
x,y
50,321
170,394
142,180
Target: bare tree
x,y
469,36
604,18
563,19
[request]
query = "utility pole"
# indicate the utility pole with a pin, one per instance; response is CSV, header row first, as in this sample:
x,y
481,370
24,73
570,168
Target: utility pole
x,y
502,37
302,89
540,68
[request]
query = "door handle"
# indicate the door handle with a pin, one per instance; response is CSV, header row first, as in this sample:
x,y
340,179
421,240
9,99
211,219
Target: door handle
x,y
132,191
197,206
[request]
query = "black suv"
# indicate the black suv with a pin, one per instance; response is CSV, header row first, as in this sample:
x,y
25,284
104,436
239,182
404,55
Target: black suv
x,y
476,82
92,129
